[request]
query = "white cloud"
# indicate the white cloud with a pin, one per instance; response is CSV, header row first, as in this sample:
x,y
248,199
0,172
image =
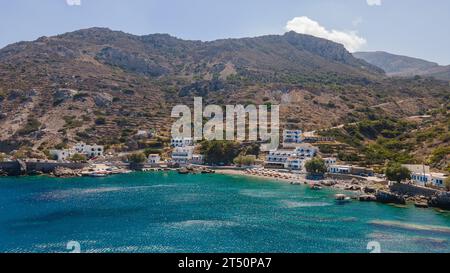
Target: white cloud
x,y
73,2
304,25
374,2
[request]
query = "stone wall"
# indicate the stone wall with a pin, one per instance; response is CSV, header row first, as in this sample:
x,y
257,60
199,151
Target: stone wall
x,y
412,190
47,167
10,168
14,167
339,176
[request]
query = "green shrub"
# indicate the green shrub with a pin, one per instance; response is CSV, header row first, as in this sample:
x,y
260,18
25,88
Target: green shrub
x,y
31,126
396,172
316,166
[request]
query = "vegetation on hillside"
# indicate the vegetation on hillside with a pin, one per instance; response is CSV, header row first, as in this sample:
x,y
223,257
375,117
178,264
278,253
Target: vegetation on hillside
x,y
137,158
316,166
220,152
396,172
378,139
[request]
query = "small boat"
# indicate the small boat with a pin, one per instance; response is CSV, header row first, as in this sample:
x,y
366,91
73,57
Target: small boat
x,y
316,187
98,174
342,198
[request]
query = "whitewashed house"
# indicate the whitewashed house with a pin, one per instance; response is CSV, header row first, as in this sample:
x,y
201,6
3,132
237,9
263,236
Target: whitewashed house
x,y
306,151
182,142
182,155
330,161
292,137
61,155
284,159
421,175
278,158
294,163
197,159
438,179
340,169
89,151
154,159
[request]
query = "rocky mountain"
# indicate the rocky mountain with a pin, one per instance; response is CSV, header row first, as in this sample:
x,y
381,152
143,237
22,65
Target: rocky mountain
x,y
98,85
396,65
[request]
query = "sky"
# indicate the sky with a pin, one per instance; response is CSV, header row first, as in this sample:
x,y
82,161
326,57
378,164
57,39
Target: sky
x,y
415,28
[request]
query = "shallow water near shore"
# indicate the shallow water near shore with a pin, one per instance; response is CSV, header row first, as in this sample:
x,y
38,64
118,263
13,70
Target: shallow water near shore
x,y
168,212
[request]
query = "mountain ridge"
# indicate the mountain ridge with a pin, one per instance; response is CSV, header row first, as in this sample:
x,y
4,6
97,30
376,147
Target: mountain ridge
x,y
404,66
99,85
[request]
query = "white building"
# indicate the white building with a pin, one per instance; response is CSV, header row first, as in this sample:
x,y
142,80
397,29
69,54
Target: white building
x,y
182,155
61,155
182,142
340,169
306,151
197,159
154,159
421,175
330,161
294,163
292,137
90,151
438,179
278,158
284,159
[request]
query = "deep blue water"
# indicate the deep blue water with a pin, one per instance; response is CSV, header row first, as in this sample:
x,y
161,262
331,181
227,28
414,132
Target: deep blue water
x,y
167,212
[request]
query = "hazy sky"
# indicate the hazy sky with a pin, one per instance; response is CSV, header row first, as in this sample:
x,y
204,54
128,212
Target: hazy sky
x,y
416,28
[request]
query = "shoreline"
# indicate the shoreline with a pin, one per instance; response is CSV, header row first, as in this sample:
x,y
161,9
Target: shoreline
x,y
243,173
358,190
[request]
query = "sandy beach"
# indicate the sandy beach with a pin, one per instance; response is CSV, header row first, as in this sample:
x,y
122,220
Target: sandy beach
x,y
292,177
350,186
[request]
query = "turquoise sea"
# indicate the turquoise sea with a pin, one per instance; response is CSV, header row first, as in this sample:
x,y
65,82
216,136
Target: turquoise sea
x,y
168,212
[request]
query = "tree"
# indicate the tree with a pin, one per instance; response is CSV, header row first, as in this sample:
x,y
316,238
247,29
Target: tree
x,y
31,126
316,166
78,158
220,152
137,158
100,121
396,172
244,160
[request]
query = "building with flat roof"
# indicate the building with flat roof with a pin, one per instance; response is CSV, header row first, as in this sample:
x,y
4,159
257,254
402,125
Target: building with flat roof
x,y
292,137
182,142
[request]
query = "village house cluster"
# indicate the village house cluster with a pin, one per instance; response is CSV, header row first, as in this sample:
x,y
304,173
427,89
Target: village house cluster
x,y
89,151
422,176
183,152
297,150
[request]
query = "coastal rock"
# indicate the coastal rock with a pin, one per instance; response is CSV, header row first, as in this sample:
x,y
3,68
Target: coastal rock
x,y
370,190
103,100
441,200
328,183
421,205
389,198
353,188
367,198
64,172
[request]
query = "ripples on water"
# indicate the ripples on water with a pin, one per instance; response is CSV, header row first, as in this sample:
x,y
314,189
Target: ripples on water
x,y
156,212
